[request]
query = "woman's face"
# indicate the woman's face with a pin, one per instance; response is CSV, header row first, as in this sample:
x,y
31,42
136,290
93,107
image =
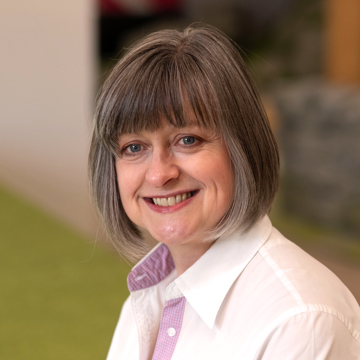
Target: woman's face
x,y
175,183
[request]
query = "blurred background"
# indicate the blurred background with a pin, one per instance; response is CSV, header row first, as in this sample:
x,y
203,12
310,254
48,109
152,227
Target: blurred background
x,y
61,287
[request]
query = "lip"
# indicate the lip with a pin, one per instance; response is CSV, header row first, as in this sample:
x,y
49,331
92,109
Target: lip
x,y
172,208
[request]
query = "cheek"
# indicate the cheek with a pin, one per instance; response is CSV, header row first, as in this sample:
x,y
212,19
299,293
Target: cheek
x,y
126,185
129,180
227,170
224,181
229,180
220,173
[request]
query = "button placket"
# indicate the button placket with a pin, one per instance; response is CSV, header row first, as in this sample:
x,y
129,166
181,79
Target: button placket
x,y
170,327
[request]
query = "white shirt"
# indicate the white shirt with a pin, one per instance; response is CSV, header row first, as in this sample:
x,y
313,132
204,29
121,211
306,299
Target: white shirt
x,y
250,296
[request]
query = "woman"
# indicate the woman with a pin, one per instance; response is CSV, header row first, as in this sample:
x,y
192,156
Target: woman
x,y
182,152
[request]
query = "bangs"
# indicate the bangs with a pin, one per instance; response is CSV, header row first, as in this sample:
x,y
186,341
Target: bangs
x,y
156,90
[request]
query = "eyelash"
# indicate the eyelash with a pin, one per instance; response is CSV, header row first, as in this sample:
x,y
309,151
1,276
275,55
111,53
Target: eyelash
x,y
125,153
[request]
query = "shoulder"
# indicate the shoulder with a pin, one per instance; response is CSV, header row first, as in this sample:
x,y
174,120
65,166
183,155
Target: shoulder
x,y
304,278
314,311
292,305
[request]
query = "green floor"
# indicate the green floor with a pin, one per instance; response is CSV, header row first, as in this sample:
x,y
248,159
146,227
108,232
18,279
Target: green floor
x,y
60,294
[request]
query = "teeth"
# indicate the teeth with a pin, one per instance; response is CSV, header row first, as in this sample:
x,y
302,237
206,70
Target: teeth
x,y
172,200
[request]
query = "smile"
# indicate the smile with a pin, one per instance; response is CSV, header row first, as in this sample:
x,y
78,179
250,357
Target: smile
x,y
172,200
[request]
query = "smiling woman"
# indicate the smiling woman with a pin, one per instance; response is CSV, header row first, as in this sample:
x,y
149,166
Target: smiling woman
x,y
182,151
192,78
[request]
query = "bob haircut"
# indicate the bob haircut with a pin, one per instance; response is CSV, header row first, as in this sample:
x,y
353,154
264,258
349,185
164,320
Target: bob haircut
x,y
163,77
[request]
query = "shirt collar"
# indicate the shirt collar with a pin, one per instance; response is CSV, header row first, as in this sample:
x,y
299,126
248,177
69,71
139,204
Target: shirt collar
x,y
152,269
206,283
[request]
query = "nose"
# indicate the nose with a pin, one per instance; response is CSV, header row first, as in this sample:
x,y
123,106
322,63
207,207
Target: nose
x,y
162,169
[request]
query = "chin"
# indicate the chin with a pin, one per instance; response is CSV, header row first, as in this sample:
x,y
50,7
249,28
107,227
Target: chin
x,y
171,235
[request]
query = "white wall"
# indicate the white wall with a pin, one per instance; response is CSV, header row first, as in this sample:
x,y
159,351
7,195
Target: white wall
x,y
47,71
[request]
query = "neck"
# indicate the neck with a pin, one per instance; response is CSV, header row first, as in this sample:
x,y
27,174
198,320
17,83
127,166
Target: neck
x,y
186,255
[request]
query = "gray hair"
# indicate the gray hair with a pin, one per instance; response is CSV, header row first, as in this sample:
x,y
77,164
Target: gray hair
x,y
162,77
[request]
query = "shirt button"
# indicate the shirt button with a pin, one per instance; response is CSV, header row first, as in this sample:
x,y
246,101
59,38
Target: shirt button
x,y
171,331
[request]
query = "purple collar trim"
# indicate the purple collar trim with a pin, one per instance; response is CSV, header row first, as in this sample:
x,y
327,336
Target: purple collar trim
x,y
153,269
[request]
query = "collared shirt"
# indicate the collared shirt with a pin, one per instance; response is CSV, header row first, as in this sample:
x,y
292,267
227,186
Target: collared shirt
x,y
250,296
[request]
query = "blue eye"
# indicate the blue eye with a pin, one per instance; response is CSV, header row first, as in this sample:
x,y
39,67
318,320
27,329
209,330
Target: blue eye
x,y
188,140
134,148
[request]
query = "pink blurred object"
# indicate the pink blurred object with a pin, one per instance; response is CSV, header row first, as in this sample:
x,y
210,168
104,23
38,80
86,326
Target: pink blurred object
x,y
138,7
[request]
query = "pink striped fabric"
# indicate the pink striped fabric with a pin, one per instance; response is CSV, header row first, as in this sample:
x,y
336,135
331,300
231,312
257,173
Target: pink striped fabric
x,y
155,268
170,327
